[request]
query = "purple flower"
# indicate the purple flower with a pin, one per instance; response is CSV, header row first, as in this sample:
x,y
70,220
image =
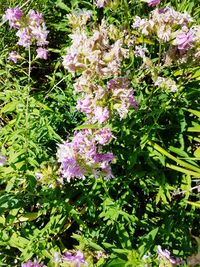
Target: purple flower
x,y
40,34
153,2
184,40
35,18
82,156
13,15
140,51
13,56
101,3
77,258
32,264
85,104
166,254
25,37
2,160
101,114
42,53
103,136
32,30
57,257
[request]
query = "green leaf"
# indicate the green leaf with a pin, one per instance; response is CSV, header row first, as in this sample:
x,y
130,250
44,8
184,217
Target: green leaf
x,y
195,112
10,107
148,241
194,129
61,5
196,204
116,263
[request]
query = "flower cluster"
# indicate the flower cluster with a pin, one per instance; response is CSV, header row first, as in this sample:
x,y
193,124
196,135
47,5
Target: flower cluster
x,y
162,23
97,57
178,38
13,56
165,255
170,26
94,55
32,264
83,155
166,83
77,258
31,30
79,18
140,51
101,3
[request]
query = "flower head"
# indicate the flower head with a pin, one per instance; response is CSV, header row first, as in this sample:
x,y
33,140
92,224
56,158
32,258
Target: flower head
x,y
13,56
42,53
101,3
32,264
78,258
2,160
153,2
83,156
166,254
13,15
184,40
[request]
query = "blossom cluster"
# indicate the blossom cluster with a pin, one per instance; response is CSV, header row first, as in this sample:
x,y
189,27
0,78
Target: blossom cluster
x,y
94,55
163,23
165,255
166,83
171,26
97,57
83,155
77,259
179,42
32,264
31,30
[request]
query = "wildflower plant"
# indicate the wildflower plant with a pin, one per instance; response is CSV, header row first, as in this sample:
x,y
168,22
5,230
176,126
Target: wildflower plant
x,y
99,143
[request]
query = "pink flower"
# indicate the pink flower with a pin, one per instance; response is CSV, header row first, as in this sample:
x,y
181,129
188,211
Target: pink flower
x,y
85,104
25,37
101,3
35,18
13,56
42,53
78,258
166,254
32,264
13,15
40,34
101,114
153,2
140,51
2,160
103,136
184,40
82,156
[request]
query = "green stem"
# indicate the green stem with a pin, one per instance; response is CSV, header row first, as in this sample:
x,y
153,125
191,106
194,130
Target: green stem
x,y
159,54
27,103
